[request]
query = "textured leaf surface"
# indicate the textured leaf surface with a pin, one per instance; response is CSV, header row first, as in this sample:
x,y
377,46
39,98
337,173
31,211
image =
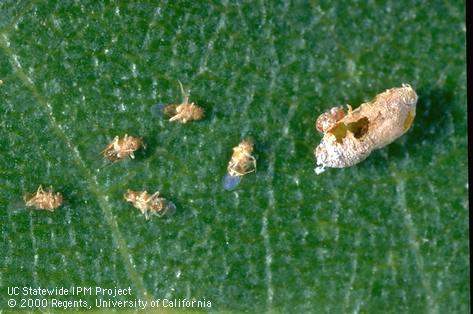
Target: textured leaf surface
x,y
389,235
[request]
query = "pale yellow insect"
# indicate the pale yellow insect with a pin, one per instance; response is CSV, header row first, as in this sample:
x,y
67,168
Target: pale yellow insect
x,y
47,200
350,137
121,148
150,204
241,163
185,111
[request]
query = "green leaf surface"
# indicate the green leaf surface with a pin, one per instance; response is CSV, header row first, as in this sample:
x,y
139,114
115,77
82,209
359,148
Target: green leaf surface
x,y
389,235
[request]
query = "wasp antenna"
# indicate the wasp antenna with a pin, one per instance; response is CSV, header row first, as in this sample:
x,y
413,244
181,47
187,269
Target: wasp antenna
x,y
185,96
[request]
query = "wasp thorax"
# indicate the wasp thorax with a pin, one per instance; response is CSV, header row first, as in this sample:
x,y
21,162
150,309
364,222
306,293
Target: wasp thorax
x,y
245,147
242,162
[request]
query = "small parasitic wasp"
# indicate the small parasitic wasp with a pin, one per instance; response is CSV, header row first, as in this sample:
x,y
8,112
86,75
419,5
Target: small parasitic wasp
x,y
121,148
41,199
241,163
150,204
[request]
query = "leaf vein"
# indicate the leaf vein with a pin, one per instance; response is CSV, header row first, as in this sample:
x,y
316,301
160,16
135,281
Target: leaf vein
x,y
90,178
414,245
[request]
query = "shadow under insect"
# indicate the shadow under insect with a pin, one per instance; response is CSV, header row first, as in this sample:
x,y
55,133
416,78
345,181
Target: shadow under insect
x,y
431,124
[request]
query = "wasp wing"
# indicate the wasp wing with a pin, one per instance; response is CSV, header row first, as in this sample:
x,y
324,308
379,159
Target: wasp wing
x,y
231,182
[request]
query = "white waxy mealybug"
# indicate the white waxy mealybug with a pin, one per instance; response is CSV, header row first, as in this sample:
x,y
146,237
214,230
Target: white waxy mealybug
x,y
185,111
122,148
150,204
241,163
350,137
47,200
